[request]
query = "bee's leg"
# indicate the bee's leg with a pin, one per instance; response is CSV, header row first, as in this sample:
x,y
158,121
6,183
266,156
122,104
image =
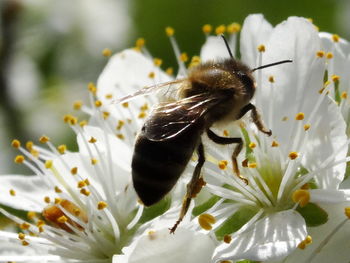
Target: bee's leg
x,y
193,187
256,118
224,140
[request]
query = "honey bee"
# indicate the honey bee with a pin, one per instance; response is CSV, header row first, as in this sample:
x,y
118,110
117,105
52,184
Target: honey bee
x,y
212,92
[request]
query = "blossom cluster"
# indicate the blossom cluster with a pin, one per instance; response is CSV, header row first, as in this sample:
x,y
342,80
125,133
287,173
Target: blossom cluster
x,y
82,207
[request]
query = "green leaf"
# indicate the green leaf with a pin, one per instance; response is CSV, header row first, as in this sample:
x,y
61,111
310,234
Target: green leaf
x,y
155,210
313,214
235,222
205,206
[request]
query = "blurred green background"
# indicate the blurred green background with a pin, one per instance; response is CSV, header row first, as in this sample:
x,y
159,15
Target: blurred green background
x,y
50,50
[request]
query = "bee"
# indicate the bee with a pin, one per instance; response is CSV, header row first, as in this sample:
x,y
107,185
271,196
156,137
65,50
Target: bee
x,y
212,92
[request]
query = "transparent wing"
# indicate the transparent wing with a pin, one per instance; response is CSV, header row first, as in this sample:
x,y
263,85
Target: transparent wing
x,y
170,119
147,90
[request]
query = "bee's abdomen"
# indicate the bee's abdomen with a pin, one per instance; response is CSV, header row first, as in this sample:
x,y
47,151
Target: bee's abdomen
x,y
157,165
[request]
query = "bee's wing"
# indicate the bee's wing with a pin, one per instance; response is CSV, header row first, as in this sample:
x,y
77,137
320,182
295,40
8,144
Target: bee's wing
x,y
147,90
170,119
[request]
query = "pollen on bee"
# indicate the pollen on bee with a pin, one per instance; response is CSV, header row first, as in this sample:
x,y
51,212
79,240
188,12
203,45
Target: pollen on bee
x,y
261,48
320,54
233,28
207,29
220,30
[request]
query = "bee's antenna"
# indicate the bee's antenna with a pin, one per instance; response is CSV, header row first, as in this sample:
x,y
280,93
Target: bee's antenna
x,y
227,46
273,64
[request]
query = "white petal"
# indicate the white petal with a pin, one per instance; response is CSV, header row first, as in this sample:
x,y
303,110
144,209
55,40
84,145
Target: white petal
x,y
271,238
214,49
127,72
255,31
30,192
186,246
329,196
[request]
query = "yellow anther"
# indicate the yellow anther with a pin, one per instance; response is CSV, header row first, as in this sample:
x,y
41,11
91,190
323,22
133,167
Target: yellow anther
x,y
101,205
335,78
299,116
344,95
73,120
83,123
19,159
47,199
31,215
306,127
301,196
252,145
321,90
29,145
21,236
74,170
252,165
58,190
142,115
222,164
12,192
184,57
44,139
120,136
274,144
195,61
25,243
35,153
92,88
87,182
347,212
272,79
151,235
293,155
335,38
92,140
106,52
125,104
98,103
109,96
24,226
57,200
144,107
76,211
41,229
227,239
233,28
261,48
245,163
16,144
157,61
40,223
320,53
285,118
169,31
84,191
81,184
77,105
308,240
62,148
140,42
152,75
120,124
169,71
48,164
302,245
226,133
329,55
207,29
62,219
206,221
94,161
220,29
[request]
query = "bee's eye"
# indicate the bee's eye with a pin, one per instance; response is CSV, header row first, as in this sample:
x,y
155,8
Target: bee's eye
x,y
246,80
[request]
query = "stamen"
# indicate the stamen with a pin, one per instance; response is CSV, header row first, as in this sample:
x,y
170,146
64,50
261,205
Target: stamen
x,y
220,30
347,212
227,239
206,221
12,192
233,28
44,139
19,159
207,29
92,88
157,62
344,95
74,170
299,116
272,79
16,144
252,145
320,54
169,71
31,215
152,75
21,236
184,57
301,196
62,148
101,205
335,38
140,43
304,243
106,52
335,78
261,48
329,55
98,103
252,165
293,155
222,164
307,127
169,31
274,144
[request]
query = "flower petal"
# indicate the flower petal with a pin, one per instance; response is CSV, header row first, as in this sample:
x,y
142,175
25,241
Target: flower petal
x,y
329,196
30,192
270,238
214,49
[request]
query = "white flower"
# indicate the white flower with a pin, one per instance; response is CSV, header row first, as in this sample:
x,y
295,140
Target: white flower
x,y
308,147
